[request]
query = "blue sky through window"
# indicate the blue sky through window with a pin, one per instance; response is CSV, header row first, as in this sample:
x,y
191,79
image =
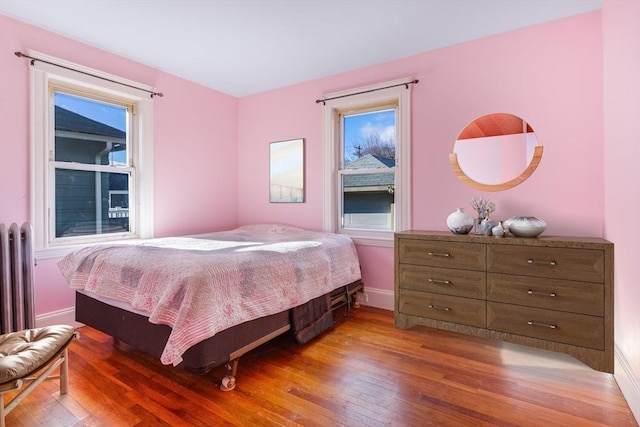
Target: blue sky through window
x,y
108,114
358,127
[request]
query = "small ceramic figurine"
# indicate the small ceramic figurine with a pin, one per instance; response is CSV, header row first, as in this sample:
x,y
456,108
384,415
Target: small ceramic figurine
x,y
486,225
499,230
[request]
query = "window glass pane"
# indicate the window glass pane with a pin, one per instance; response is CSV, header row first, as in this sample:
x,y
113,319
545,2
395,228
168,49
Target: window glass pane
x,y
90,202
89,131
368,201
369,139
369,142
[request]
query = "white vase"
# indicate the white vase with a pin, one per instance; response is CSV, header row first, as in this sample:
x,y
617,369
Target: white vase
x,y
486,225
525,226
460,222
499,230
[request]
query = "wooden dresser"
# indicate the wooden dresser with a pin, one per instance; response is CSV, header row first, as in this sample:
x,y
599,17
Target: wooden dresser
x,y
554,293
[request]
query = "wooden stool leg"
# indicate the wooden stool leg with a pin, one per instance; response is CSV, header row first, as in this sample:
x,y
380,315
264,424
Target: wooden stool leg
x,y
2,414
64,372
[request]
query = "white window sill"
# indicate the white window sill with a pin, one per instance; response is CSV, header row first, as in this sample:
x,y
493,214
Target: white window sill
x,y
62,251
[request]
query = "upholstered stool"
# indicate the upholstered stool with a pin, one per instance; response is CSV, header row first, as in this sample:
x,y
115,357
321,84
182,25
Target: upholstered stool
x,y
25,353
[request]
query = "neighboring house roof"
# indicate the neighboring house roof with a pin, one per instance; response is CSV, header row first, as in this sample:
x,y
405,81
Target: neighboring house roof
x,y
370,161
72,122
369,180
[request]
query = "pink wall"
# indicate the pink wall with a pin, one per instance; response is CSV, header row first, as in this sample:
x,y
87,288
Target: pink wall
x,y
195,150
522,72
550,75
621,47
278,116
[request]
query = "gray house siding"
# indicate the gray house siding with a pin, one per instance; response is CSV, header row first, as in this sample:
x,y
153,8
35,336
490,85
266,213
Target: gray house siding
x,y
78,202
368,199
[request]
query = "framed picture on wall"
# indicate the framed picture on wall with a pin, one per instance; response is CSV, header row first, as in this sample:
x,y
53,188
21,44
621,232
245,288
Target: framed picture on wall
x,y
286,171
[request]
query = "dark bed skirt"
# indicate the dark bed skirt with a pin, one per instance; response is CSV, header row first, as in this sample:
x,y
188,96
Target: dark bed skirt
x,y
306,321
136,330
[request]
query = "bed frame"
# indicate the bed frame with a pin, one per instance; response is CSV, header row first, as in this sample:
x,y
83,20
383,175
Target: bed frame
x,y
227,346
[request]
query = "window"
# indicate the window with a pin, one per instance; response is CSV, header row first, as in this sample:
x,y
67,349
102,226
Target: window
x,y
367,170
366,144
90,163
91,158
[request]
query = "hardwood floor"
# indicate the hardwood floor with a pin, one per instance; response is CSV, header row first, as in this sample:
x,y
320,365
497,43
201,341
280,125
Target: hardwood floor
x,y
362,373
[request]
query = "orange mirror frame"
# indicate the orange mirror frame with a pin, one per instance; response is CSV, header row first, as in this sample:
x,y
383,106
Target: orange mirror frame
x,y
535,161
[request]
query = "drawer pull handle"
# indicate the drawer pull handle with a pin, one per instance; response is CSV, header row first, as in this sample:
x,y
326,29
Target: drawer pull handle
x,y
551,263
439,307
439,254
545,325
442,282
551,294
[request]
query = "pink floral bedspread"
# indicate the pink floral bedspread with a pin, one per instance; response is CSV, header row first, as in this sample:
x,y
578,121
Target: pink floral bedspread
x,y
200,285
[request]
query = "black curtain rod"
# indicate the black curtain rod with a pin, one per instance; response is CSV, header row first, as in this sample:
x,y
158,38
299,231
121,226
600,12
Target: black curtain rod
x,y
22,55
406,84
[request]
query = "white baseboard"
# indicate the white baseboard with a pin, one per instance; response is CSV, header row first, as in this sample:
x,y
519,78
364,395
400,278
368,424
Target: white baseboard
x,y
65,316
378,298
628,382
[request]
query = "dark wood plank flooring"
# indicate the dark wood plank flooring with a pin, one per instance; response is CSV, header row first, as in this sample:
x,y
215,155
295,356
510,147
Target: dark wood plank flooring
x,y
362,373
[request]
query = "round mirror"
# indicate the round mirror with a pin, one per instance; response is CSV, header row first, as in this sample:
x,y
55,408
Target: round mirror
x,y
496,152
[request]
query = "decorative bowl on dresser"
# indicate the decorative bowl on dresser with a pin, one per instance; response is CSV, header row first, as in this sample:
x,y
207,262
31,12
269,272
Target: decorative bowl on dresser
x,y
551,292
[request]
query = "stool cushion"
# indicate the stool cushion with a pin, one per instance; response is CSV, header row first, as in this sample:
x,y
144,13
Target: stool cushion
x,y
25,352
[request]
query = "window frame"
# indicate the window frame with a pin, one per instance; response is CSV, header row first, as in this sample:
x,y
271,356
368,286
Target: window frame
x,y
74,79
352,101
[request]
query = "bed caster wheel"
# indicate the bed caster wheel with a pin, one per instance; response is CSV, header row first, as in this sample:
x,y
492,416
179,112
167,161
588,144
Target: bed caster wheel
x,y
228,383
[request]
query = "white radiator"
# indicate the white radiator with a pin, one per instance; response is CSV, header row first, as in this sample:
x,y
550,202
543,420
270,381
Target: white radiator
x,y
17,294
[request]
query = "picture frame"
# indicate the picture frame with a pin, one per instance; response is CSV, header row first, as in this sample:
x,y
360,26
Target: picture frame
x,y
286,171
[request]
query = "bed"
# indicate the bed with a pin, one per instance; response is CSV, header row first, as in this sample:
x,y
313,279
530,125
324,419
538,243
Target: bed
x,y
203,301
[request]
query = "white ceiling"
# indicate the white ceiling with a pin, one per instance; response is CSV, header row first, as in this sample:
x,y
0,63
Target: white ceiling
x,y
242,47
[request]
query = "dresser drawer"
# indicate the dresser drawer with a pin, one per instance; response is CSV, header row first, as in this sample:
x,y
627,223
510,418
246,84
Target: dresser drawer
x,y
564,295
562,263
449,308
462,283
468,256
568,328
